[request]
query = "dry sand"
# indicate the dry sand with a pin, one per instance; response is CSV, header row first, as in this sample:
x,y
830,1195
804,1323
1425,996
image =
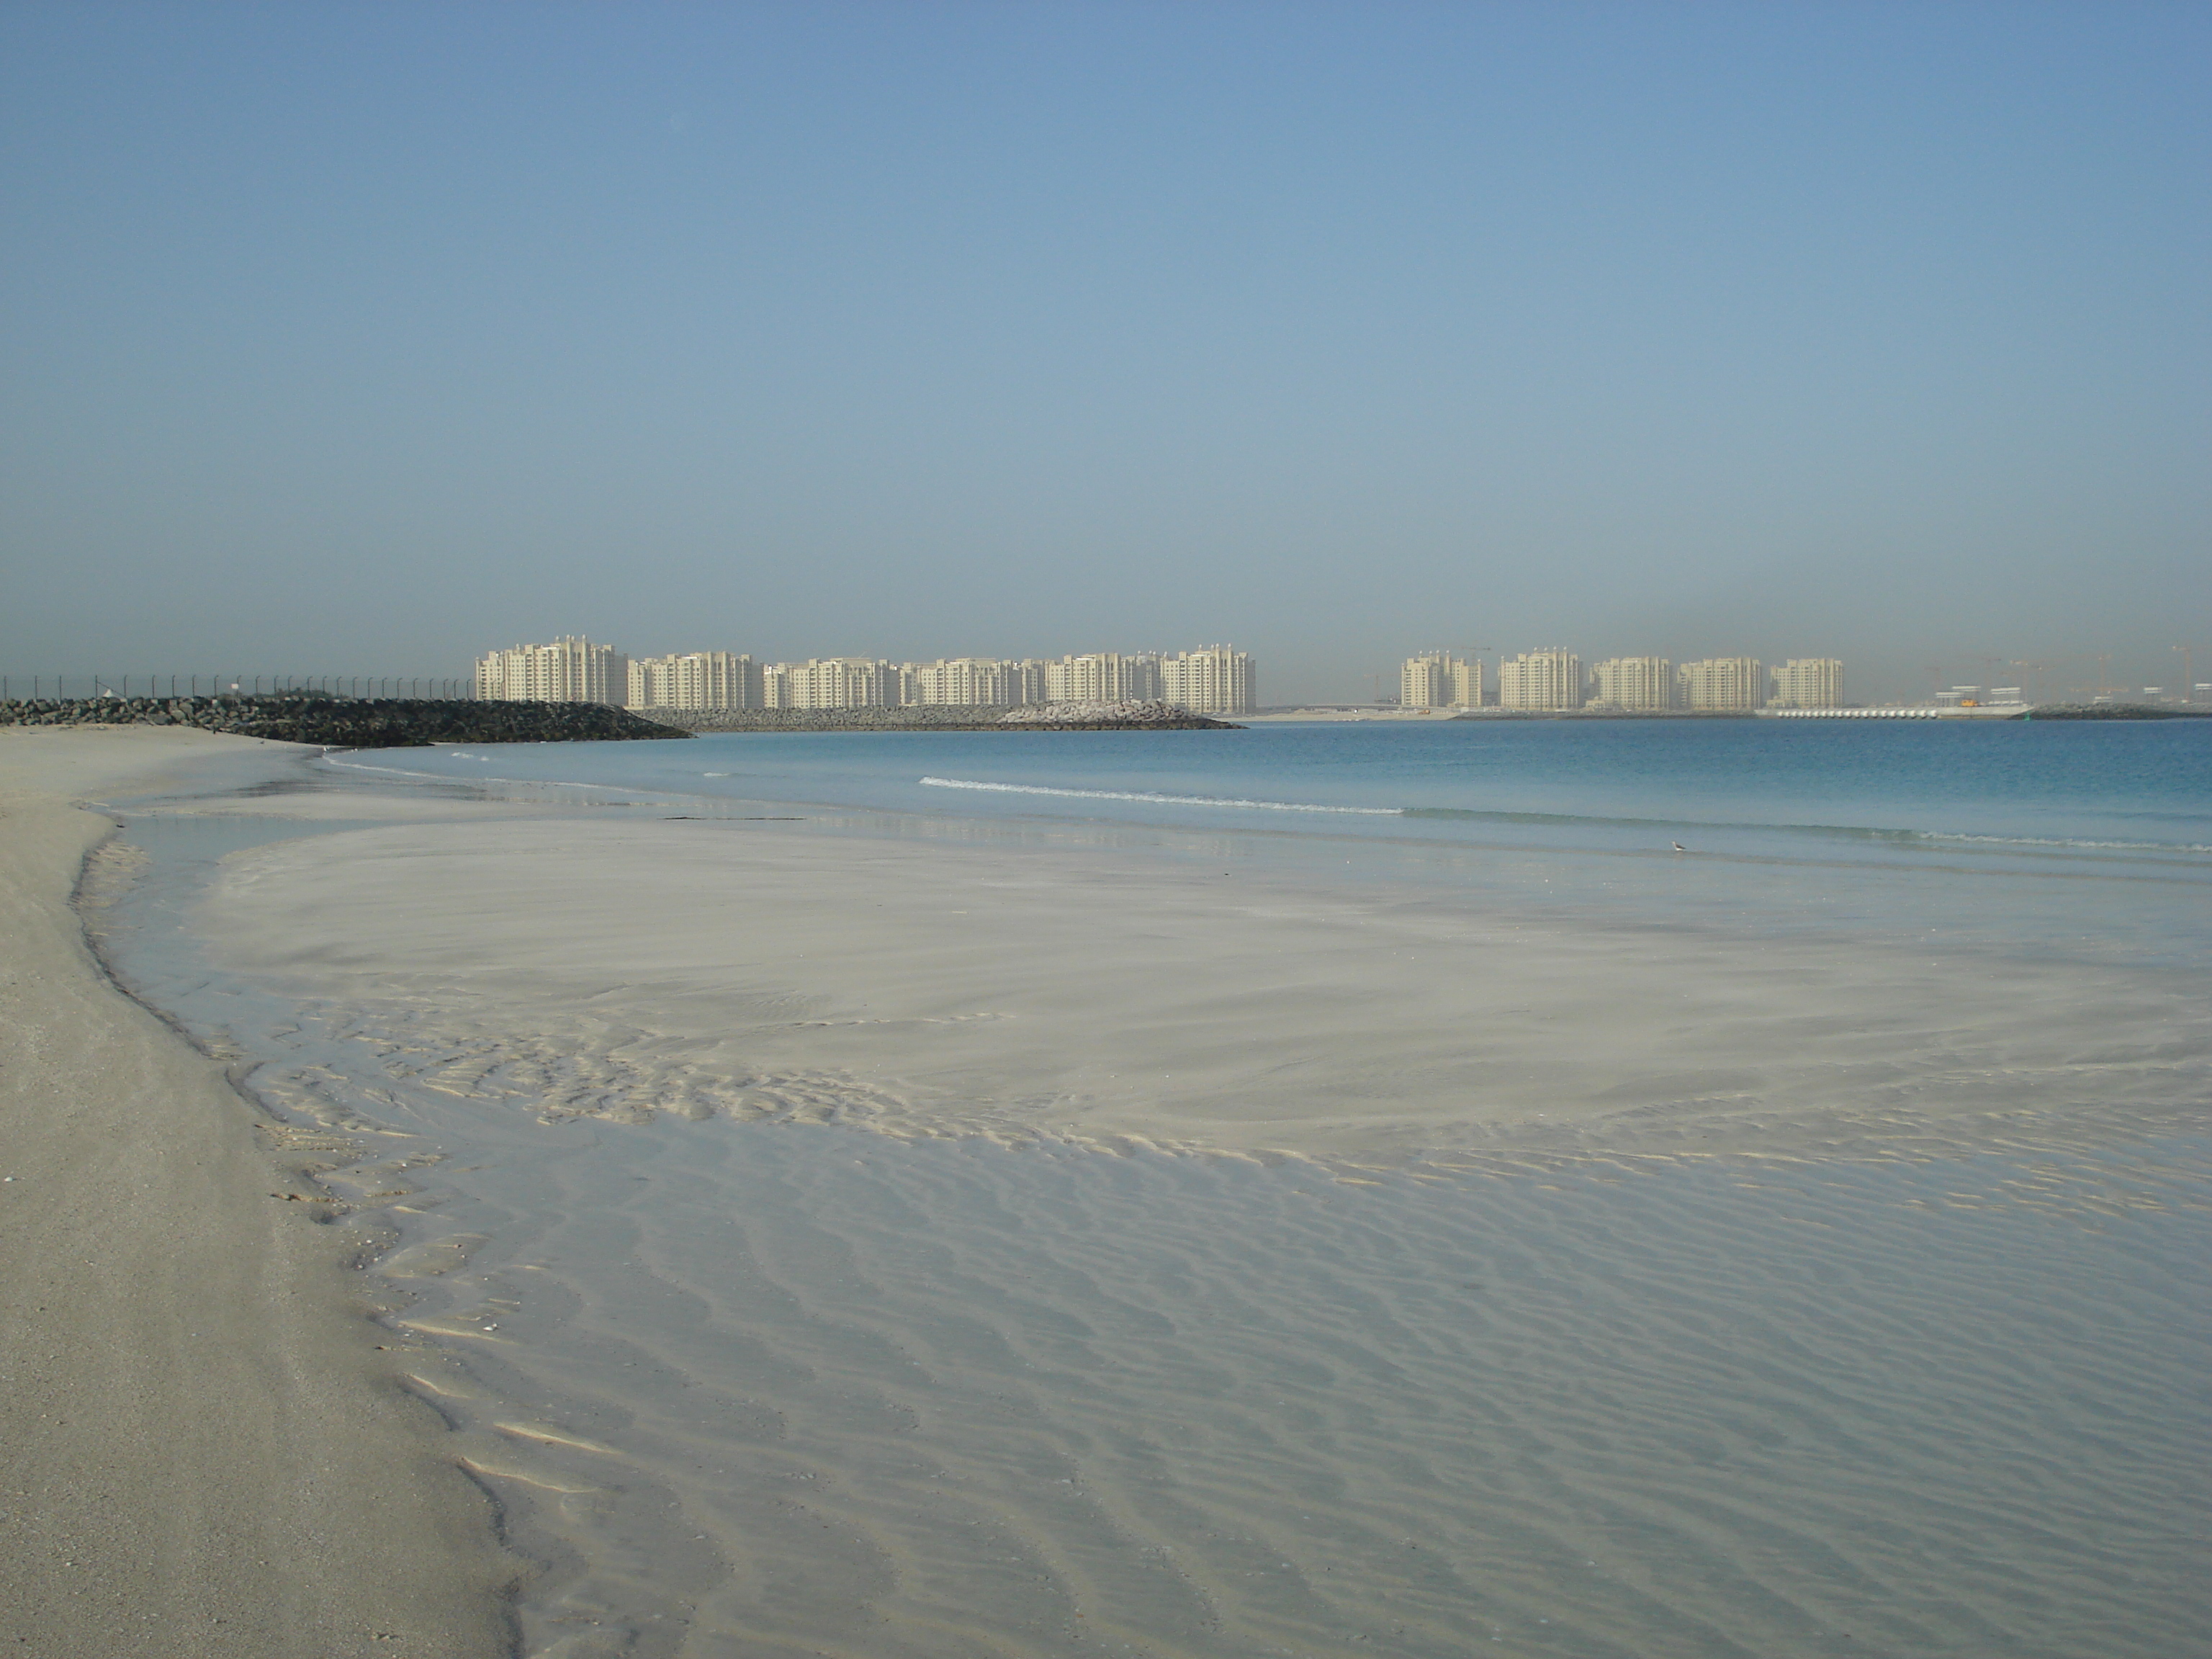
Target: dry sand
x,y
206,1454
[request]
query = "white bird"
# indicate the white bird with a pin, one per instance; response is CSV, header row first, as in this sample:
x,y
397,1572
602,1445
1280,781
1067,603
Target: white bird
x,y
1678,847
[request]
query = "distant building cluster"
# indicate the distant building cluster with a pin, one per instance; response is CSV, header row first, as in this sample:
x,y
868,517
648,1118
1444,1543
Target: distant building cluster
x,y
1555,680
1215,679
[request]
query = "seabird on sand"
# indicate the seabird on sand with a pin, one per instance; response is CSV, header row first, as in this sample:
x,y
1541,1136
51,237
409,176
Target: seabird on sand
x,y
1678,847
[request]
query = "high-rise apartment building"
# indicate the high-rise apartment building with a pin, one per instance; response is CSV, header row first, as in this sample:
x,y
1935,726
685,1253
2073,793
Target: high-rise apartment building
x,y
1644,684
830,683
570,670
1467,689
695,679
1103,677
1426,681
1808,683
1436,679
1732,684
1216,679
1550,678
962,682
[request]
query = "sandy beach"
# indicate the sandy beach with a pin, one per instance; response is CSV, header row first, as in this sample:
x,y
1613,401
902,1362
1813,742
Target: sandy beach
x,y
207,1452
728,1177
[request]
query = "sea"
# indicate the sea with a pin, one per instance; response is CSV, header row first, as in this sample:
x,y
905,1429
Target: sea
x,y
779,1388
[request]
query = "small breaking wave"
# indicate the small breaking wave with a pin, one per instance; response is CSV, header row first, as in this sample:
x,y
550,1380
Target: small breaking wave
x,y
1871,833
2068,844
1927,840
1157,799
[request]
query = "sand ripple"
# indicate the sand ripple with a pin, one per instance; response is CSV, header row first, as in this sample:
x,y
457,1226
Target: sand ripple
x,y
795,1392
1719,1366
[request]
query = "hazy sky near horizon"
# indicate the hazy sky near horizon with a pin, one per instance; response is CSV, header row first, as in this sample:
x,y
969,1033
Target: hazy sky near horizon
x,y
360,338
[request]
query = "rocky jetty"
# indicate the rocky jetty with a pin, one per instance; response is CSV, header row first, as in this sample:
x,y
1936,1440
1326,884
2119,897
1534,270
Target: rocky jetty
x,y
1114,717
1048,717
351,722
2110,711
1601,712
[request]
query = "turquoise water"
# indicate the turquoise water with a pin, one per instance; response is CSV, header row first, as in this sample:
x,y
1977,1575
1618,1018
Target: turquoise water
x,y
2091,838
1855,788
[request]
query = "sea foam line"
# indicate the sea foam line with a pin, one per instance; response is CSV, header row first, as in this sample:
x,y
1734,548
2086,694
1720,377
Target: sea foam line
x,y
1159,800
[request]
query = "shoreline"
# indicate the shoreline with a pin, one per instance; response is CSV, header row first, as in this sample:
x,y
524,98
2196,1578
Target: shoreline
x,y
209,1452
717,1305
926,989
746,1374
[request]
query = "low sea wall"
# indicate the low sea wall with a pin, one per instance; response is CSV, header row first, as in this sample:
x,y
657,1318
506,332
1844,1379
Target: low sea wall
x,y
2047,711
351,722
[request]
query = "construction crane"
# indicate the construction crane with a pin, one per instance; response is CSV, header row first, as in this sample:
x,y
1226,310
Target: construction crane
x,y
2031,678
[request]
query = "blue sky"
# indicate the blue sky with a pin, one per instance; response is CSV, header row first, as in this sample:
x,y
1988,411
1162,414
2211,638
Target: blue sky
x,y
357,339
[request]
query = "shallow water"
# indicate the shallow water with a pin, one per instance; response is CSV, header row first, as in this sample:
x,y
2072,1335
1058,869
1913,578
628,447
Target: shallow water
x,y
2093,838
2091,785
929,1400
774,1387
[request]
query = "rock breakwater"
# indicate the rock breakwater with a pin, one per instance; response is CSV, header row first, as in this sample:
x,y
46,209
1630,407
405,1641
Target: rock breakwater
x,y
2110,711
1601,712
1048,717
351,722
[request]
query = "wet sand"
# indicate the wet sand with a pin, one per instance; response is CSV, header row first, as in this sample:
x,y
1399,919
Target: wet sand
x,y
746,1383
207,1452
714,967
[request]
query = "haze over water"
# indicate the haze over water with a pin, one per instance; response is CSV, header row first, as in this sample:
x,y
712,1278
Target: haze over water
x,y
761,1364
